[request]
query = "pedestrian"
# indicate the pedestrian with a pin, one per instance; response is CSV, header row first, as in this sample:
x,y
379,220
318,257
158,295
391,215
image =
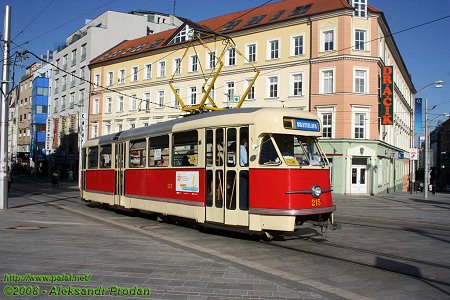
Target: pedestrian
x,y
55,178
70,172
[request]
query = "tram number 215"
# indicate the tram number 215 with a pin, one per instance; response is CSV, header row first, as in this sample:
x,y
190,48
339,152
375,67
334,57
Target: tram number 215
x,y
315,202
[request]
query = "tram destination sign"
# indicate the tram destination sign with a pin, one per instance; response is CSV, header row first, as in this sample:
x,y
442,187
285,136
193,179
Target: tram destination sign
x,y
308,125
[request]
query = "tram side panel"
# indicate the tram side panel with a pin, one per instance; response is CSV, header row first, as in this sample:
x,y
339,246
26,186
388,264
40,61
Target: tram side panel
x,y
176,192
99,186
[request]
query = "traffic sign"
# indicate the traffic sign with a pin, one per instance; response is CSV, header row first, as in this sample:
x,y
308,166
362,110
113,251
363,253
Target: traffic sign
x,y
413,154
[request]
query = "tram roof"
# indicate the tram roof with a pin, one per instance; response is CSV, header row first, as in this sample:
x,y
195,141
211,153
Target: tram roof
x,y
229,117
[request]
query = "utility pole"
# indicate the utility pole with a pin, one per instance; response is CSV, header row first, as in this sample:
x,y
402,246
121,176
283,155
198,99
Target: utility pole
x,y
427,153
4,113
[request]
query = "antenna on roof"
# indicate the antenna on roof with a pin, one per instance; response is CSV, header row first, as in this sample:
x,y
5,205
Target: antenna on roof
x,y
172,17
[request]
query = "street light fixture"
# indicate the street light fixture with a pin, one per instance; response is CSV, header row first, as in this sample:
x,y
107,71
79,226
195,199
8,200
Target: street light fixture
x,y
436,84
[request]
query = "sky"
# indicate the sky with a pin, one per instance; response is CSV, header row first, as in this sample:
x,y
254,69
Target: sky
x,y
42,25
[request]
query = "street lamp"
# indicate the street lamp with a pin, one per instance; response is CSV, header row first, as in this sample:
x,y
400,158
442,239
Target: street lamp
x,y
436,84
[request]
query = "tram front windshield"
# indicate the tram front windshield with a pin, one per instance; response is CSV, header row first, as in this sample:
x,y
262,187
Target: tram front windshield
x,y
295,150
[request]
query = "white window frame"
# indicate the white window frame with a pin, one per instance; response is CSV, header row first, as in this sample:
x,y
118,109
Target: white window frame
x,y
273,53
231,57
322,78
108,103
148,71
228,98
147,99
120,104
366,80
364,45
134,74
211,60
360,12
293,47
193,63
193,95
122,76
162,69
96,106
110,78
96,80
107,127
176,67
133,102
175,100
361,109
269,84
94,130
161,98
323,41
321,111
247,82
292,84
247,52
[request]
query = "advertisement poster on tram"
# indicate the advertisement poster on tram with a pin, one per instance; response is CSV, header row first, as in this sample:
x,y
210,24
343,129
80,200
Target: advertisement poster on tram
x,y
187,182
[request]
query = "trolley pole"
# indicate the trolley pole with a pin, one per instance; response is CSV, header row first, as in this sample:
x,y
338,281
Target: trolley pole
x,y
4,113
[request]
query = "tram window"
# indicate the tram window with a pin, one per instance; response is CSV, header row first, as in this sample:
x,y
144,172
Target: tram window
x,y
243,190
138,153
268,154
93,158
159,151
299,150
219,147
231,147
83,159
219,188
105,156
209,148
185,148
231,190
243,152
209,188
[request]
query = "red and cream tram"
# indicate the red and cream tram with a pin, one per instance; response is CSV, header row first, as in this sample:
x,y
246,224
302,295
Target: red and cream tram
x,y
253,169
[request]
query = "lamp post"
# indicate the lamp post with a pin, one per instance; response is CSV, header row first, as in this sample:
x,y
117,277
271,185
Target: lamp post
x,y
436,84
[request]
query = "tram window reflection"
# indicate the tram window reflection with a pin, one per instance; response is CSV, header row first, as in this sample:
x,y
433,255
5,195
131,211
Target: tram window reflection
x,y
185,148
159,151
268,154
105,156
93,157
137,154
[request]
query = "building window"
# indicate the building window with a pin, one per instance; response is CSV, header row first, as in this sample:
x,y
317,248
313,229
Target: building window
x,y
133,102
96,80
110,78
120,104
274,50
177,66
72,100
176,103
135,72
251,52
229,95
297,85
327,82
211,60
297,45
161,96
148,71
327,125
74,57
147,102
328,40
72,78
108,128
122,76
231,56
360,125
360,8
109,105
94,130
360,81
251,93
83,52
194,63
272,88
193,95
119,127
162,69
360,39
81,97
96,107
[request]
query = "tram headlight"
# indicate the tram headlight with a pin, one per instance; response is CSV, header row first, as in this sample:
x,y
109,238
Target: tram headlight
x,y
316,191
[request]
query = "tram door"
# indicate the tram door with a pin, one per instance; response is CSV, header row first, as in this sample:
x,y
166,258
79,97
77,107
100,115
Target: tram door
x,y
226,176
119,176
